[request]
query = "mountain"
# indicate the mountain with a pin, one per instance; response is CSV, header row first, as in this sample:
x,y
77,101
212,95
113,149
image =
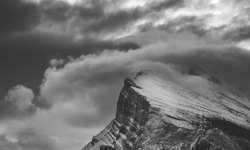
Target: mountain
x,y
157,113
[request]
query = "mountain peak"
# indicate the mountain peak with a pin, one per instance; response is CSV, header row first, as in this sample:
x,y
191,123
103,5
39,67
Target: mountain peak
x,y
154,112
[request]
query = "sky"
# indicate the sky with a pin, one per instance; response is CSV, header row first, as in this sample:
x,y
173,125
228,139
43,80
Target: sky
x,y
63,62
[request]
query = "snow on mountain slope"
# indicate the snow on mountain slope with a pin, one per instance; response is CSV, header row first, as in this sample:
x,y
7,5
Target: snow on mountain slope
x,y
154,112
189,107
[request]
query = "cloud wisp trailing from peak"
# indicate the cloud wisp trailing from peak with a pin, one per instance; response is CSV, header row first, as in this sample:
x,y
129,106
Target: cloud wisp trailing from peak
x,y
91,83
80,94
74,57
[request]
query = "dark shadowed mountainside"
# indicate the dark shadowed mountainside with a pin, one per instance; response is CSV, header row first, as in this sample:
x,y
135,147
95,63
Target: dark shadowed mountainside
x,y
156,113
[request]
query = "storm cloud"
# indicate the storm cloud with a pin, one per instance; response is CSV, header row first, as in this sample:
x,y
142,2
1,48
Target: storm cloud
x,y
31,53
92,83
18,15
99,19
63,62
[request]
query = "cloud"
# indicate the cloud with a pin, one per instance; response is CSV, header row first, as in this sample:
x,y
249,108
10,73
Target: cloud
x,y
82,93
95,11
88,87
158,6
17,103
58,11
87,69
99,19
79,93
113,21
18,15
20,97
31,52
30,140
239,33
56,62
27,140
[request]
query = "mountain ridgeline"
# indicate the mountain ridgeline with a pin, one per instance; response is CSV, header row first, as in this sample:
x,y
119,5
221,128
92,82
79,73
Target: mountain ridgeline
x,y
157,113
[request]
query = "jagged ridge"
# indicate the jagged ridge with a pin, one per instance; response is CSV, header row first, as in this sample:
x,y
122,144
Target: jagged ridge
x,y
154,112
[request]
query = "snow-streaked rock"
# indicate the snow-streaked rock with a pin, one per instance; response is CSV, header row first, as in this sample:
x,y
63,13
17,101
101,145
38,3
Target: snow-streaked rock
x,y
157,113
189,107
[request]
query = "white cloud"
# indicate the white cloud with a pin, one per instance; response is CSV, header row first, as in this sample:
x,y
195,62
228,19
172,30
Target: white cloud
x,y
83,93
209,15
56,62
20,97
87,88
244,44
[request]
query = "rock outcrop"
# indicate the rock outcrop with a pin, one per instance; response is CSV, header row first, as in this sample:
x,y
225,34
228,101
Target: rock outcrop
x,y
156,113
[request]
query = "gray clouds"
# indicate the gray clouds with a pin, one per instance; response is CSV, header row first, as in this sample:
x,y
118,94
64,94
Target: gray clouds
x,y
86,58
20,98
97,18
114,19
238,34
31,52
18,15
158,6
91,83
27,140
18,103
82,92
56,10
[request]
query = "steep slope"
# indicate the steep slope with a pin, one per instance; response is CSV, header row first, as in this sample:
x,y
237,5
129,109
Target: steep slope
x,y
156,113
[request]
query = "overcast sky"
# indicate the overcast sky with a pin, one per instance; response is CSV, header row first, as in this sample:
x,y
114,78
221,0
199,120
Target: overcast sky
x,y
63,62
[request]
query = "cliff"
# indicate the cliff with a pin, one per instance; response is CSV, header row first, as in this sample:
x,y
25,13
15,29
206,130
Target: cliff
x,y
156,113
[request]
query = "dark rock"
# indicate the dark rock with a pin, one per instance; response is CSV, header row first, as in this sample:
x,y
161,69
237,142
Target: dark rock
x,y
145,122
105,147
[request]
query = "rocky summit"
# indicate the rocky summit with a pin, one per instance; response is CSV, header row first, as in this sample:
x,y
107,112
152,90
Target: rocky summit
x,y
157,113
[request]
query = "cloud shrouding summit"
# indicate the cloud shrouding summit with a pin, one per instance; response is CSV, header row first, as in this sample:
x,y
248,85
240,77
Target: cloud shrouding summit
x,y
91,83
64,62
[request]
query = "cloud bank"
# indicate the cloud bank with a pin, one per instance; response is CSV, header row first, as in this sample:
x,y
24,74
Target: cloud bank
x,y
91,83
116,19
27,140
80,94
87,59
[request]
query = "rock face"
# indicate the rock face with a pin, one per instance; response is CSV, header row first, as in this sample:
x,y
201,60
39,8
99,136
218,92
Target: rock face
x,y
156,113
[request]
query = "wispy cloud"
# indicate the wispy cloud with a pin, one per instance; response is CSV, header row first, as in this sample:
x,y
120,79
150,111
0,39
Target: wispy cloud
x,y
82,93
90,46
